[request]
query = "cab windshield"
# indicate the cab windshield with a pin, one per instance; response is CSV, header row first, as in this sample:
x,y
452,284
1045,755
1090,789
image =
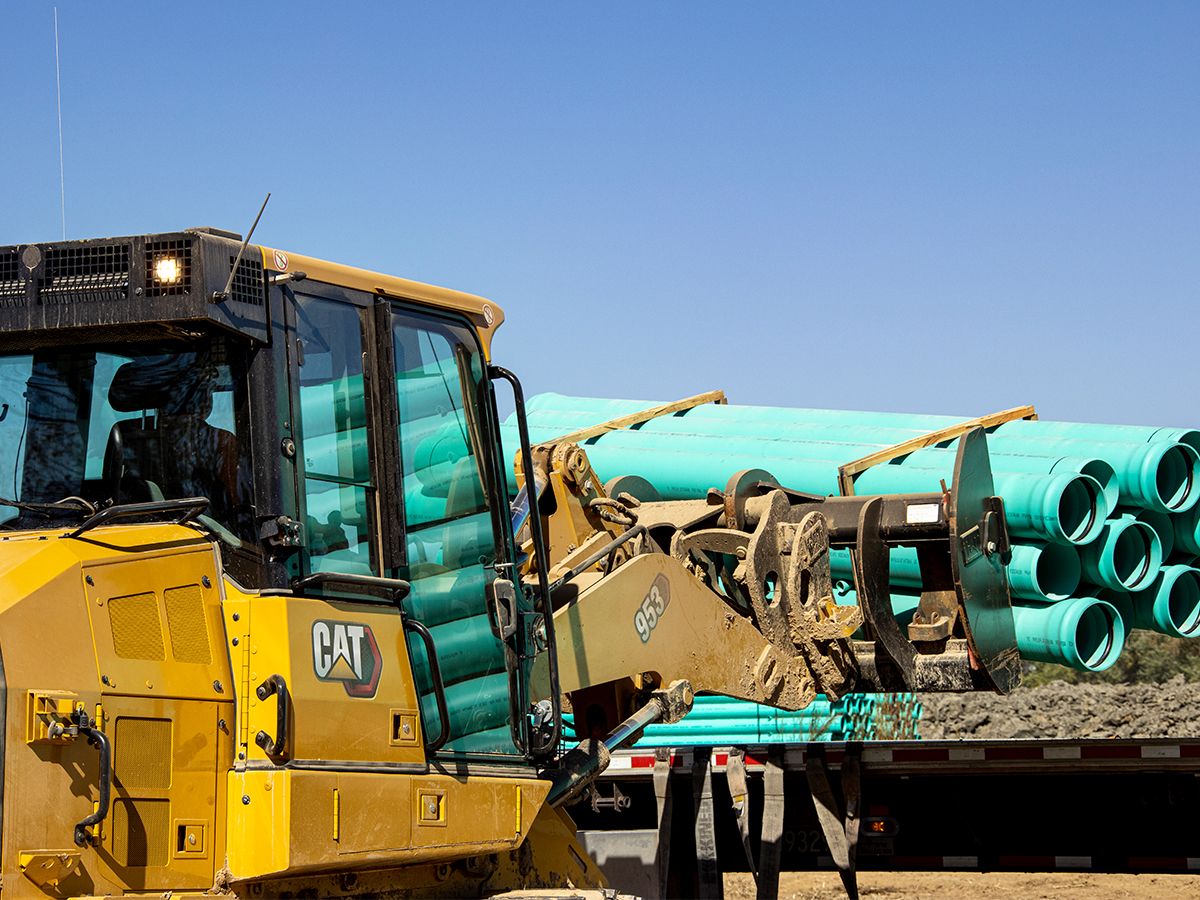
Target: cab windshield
x,y
125,424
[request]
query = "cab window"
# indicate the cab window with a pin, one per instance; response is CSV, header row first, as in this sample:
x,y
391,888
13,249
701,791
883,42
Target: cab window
x,y
339,493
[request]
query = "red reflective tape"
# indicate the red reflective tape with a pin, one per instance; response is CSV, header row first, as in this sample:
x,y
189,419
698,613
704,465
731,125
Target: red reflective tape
x,y
1028,863
720,759
1110,751
916,862
1158,863
918,754
1012,753
753,760
641,762
1189,750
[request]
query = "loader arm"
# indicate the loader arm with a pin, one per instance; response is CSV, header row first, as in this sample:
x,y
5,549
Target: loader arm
x,y
733,594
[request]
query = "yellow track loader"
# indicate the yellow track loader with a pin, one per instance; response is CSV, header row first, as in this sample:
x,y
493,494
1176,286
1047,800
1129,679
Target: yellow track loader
x,y
272,623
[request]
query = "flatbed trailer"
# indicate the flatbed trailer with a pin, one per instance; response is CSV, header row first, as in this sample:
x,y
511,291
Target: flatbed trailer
x,y
1017,805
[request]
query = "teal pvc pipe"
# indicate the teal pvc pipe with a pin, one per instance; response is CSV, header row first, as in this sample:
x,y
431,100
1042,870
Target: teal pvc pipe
x,y
1042,572
1160,475
1160,522
713,712
456,544
1170,606
1186,529
1061,507
1082,633
1163,479
466,648
494,740
1032,464
1095,432
447,596
685,733
479,704
919,422
1126,557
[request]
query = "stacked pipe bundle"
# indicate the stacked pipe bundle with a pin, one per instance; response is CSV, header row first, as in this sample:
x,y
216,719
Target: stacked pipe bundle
x,y
719,721
1104,517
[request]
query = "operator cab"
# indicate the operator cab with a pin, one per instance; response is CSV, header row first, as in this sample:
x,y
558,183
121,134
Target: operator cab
x,y
340,423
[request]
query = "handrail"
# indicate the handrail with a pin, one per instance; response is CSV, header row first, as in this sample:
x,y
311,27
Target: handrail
x,y
539,549
398,587
100,739
277,748
439,687
191,507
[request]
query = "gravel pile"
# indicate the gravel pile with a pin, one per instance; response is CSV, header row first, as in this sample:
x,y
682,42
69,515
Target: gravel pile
x,y
1061,710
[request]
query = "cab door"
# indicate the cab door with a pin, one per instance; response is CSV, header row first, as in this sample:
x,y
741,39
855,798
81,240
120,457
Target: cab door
x,y
457,534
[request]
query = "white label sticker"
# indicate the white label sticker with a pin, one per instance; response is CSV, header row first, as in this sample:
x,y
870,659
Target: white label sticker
x,y
922,513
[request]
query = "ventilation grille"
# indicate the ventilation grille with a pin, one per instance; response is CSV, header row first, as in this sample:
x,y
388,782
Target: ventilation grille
x,y
136,626
181,251
142,755
12,286
92,273
185,618
249,285
141,832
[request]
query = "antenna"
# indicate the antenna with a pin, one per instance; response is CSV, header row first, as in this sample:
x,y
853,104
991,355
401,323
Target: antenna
x,y
62,180
222,296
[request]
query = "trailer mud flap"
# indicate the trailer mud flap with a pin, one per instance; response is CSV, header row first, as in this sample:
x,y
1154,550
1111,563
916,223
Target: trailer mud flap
x,y
770,844
663,800
840,830
708,868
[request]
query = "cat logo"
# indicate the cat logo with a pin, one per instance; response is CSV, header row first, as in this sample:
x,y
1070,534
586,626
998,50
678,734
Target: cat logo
x,y
347,652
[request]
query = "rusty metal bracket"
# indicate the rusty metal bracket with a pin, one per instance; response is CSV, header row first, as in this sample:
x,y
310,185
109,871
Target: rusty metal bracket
x,y
848,472
637,418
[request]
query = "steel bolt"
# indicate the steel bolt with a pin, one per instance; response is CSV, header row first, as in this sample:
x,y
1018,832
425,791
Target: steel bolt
x,y
218,687
237,616
89,579
204,580
235,642
245,799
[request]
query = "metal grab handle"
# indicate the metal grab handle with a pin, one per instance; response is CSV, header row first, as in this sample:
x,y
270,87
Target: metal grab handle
x,y
277,748
189,507
397,587
439,687
548,748
100,739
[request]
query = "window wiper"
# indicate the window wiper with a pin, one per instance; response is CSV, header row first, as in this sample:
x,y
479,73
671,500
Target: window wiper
x,y
65,505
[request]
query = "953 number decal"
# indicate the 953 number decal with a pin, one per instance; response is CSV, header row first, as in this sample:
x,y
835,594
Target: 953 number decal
x,y
654,604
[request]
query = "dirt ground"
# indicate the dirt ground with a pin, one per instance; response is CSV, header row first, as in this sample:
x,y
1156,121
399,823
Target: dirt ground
x,y
939,885
1060,710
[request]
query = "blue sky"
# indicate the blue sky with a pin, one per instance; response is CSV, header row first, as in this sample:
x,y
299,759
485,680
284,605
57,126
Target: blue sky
x,y
935,207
